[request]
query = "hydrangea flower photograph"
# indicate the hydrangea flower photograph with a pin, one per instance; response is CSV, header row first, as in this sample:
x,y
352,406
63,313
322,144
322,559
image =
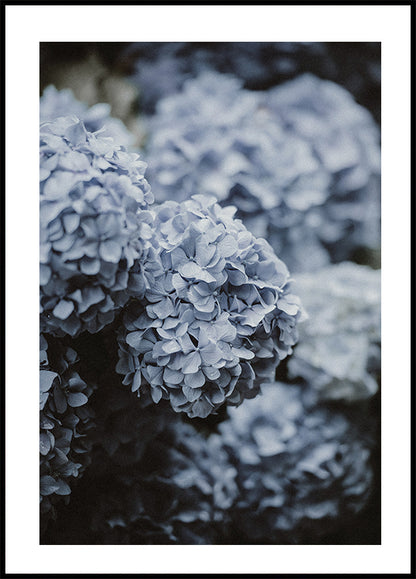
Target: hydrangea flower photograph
x,y
210,293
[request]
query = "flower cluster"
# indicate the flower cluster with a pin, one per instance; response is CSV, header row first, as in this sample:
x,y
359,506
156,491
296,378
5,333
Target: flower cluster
x,y
339,345
219,139
61,103
292,187
218,319
346,140
302,469
95,227
65,421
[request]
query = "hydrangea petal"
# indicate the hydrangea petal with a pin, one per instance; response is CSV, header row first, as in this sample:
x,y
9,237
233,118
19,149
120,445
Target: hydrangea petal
x,y
191,363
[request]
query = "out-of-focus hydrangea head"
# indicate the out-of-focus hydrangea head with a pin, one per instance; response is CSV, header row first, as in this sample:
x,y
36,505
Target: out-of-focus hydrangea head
x,y
292,187
302,470
346,140
218,319
95,227
56,103
65,422
201,484
215,134
339,345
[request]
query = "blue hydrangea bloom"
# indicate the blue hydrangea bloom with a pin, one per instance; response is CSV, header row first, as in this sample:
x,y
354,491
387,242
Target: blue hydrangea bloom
x,y
339,344
94,227
217,320
65,422
56,103
346,140
303,470
291,186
